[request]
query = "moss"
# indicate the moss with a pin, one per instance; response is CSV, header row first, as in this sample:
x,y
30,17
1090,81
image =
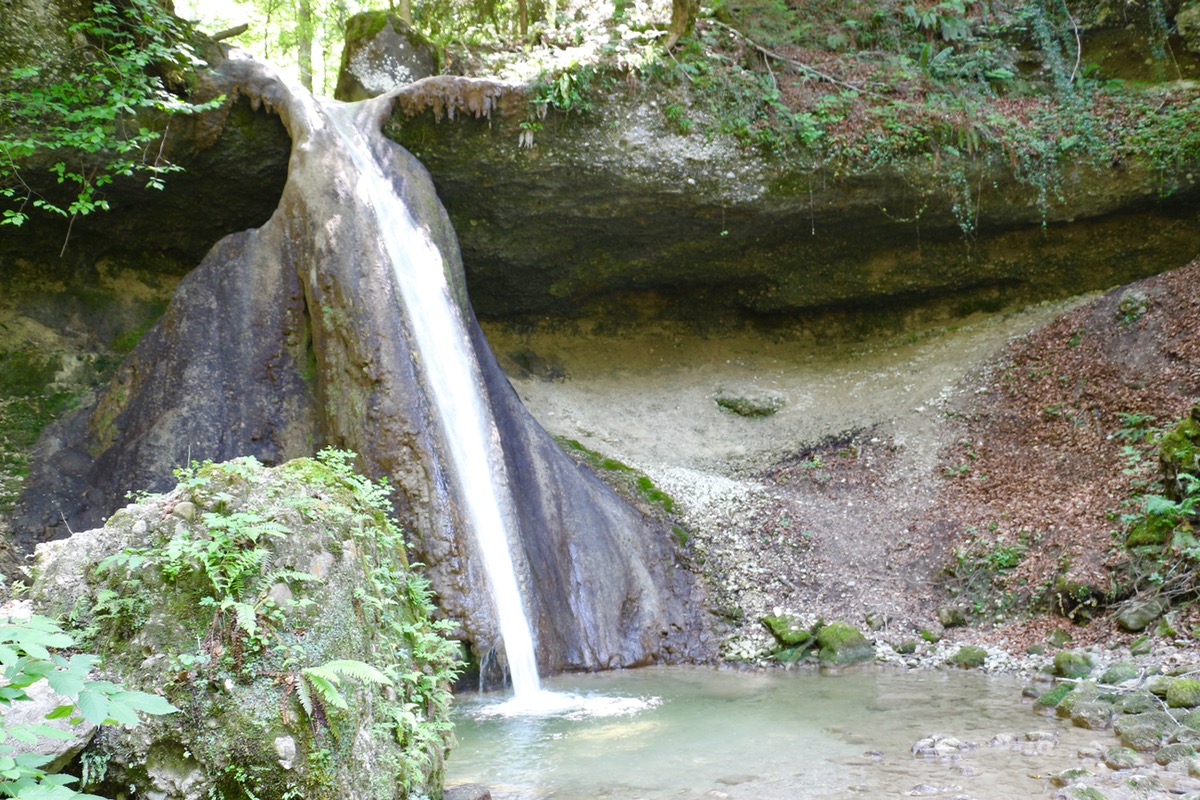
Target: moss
x,y
843,644
1054,696
620,475
969,656
1119,673
787,630
1073,664
1184,693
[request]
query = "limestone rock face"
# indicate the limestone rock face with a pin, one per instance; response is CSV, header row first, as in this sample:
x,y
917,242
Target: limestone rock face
x,y
382,52
295,334
611,215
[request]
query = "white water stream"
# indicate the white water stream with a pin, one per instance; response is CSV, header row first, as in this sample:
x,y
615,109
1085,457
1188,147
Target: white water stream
x,y
452,373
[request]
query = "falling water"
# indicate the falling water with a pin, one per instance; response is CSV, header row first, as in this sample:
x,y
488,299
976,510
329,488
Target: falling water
x,y
452,372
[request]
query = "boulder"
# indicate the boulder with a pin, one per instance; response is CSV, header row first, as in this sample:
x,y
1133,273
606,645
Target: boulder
x,y
1184,693
283,619
382,52
1073,664
969,656
1119,673
843,644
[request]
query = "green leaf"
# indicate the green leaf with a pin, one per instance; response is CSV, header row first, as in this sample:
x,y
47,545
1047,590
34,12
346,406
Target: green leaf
x,y
93,706
153,704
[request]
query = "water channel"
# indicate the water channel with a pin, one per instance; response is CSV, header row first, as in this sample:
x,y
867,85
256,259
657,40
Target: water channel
x,y
693,732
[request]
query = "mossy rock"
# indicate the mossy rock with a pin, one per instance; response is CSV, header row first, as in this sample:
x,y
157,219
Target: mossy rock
x,y
1069,776
952,617
787,630
1137,702
1191,720
1073,664
1150,531
969,656
1058,638
1118,758
1145,732
1054,696
1083,793
907,647
1119,673
303,688
1179,453
843,644
1174,752
933,637
1183,693
1141,646
1093,714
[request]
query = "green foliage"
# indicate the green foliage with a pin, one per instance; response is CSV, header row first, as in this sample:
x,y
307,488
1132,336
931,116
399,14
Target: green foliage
x,y
28,655
622,476
95,121
222,558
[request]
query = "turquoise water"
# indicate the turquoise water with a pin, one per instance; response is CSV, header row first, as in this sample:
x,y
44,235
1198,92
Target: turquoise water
x,y
687,732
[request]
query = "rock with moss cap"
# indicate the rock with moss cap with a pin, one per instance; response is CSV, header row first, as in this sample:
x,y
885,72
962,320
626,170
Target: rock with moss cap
x,y
1119,673
283,619
843,644
1073,664
1183,693
969,656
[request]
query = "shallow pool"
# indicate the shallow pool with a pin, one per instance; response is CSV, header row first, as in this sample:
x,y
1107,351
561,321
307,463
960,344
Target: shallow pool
x,y
688,732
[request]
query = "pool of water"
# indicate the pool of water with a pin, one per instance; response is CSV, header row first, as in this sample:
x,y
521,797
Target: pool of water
x,y
689,732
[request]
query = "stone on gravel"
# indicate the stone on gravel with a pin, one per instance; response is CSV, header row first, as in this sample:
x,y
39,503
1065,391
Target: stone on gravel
x,y
843,644
1073,664
969,656
1119,673
1184,693
1174,752
1122,758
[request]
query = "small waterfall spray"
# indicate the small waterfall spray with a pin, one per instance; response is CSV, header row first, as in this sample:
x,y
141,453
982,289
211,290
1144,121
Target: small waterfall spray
x,y
454,378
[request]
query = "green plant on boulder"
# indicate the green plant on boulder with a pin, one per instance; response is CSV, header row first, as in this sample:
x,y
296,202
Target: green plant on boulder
x,y
1073,664
842,644
283,614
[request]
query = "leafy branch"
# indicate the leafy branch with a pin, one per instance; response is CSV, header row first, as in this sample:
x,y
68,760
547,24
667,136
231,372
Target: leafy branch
x,y
94,121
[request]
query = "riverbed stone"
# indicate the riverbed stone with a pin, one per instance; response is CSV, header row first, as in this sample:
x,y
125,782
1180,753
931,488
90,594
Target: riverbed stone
x,y
1122,758
1171,753
1144,732
1073,664
969,656
1119,673
843,644
1184,693
1070,776
1054,696
1137,702
1093,714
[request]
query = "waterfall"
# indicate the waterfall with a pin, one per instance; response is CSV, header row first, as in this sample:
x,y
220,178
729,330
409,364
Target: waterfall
x,y
453,376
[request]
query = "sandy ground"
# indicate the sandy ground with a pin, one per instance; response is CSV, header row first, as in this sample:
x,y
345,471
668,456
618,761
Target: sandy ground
x,y
814,509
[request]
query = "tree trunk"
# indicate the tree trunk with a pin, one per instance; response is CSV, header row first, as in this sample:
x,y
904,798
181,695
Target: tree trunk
x,y
524,17
683,20
304,42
